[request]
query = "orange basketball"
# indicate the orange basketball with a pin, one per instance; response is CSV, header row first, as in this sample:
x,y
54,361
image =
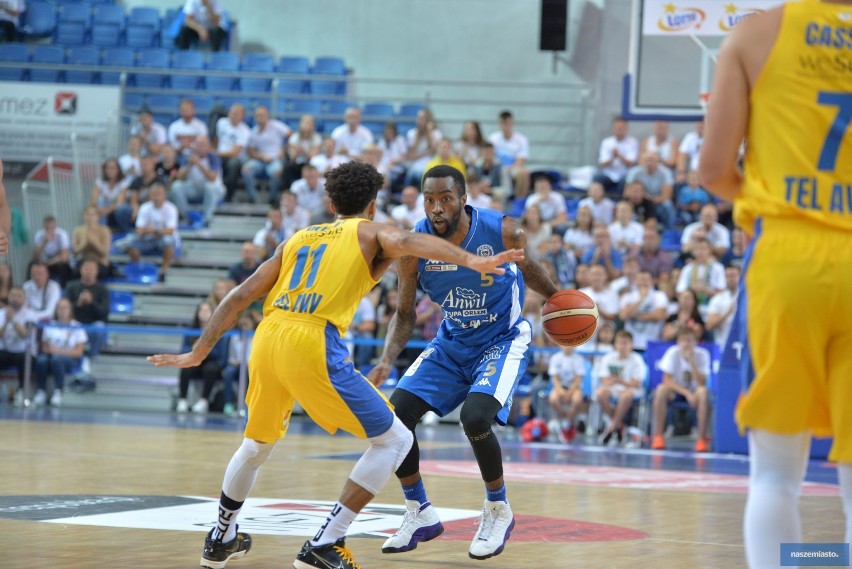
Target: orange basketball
x,y
569,317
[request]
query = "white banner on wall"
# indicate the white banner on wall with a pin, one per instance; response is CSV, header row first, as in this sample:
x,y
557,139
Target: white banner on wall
x,y
698,17
37,119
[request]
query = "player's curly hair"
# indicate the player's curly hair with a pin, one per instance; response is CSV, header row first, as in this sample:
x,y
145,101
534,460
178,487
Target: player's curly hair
x,y
352,186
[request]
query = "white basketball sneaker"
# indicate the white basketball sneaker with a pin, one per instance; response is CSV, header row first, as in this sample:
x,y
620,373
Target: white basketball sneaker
x,y
420,523
495,526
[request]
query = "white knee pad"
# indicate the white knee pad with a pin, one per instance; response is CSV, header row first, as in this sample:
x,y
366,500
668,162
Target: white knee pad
x,y
384,456
254,453
243,468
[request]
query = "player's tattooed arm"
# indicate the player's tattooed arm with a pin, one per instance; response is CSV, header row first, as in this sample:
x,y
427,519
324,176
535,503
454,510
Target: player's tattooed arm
x,y
535,276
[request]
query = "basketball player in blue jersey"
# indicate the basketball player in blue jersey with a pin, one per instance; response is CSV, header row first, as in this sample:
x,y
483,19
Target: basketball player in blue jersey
x,y
475,361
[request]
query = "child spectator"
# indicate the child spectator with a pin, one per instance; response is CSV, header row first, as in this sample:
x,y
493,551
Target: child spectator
x,y
566,370
691,198
209,370
61,352
237,353
703,275
622,376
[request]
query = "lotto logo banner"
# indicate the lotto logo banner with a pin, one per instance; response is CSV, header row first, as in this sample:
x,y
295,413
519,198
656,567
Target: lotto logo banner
x,y
699,17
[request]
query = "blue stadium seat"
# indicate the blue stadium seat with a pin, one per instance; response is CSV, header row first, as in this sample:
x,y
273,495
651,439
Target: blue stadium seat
x,y
106,35
82,55
336,107
120,302
109,14
134,102
141,36
329,66
246,102
164,104
203,105
306,107
293,64
39,20
71,33
258,62
378,110
122,57
13,52
670,240
410,109
47,54
141,273
322,87
253,84
225,61
167,34
144,16
157,58
291,86
76,12
193,60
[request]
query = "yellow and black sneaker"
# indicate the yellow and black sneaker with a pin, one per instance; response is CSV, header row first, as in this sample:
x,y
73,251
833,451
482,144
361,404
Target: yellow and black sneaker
x,y
329,556
216,554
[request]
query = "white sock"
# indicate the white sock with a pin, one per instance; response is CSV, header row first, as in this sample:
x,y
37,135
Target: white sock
x,y
239,479
336,525
777,468
844,471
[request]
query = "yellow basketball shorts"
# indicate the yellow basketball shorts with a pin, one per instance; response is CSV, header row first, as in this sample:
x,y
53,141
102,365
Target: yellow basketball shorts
x,y
307,362
798,295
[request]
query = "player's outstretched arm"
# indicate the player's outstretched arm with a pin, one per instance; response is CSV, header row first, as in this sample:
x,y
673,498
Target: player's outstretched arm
x,y
535,276
225,315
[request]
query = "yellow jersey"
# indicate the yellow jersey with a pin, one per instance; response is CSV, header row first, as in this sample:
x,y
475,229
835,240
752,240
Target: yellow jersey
x,y
799,159
323,275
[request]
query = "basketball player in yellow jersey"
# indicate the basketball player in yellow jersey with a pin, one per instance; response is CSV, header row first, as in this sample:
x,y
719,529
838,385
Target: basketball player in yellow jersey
x,y
784,83
314,283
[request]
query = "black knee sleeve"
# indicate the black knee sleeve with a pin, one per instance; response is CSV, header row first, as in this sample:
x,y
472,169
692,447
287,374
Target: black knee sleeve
x,y
477,416
410,409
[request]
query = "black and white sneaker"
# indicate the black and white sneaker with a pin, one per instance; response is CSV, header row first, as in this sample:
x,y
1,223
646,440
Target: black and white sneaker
x,y
216,554
329,556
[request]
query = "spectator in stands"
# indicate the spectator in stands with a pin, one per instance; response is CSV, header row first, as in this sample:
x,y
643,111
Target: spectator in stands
x,y
621,376
599,291
329,158
562,259
643,208
658,182
248,264
662,144
109,195
385,311
61,353
603,253
237,354
200,177
687,317
7,283
688,153
202,21
512,150
14,319
627,281
476,195
293,216
168,166
209,370
411,210
489,167
152,133
602,207
156,230
52,246
187,129
551,204
580,237
266,154
652,259
90,301
717,234
685,368
41,292
394,156
444,156
721,308
310,190
691,198
140,188
352,137
704,275
625,233
302,146
422,143
92,241
733,257
618,153
363,327
644,311
221,288
271,235
469,145
130,162
428,318
325,216
232,138
538,232
566,371
10,13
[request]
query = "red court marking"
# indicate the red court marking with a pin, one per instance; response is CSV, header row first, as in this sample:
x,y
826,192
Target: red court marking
x,y
638,478
539,529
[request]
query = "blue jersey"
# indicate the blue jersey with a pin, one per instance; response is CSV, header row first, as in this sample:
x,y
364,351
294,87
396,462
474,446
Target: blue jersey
x,y
479,309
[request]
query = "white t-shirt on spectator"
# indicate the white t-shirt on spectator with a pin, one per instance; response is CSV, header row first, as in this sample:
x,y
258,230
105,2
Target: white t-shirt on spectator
x,y
64,338
269,141
407,217
602,211
17,5
664,150
607,300
164,217
42,301
631,368
156,136
578,240
691,146
508,150
230,136
310,199
260,237
711,274
325,163
481,201
674,364
627,146
645,331
625,237
549,207
566,367
354,142
181,129
291,223
718,236
719,304
55,246
130,165
107,195
198,11
10,340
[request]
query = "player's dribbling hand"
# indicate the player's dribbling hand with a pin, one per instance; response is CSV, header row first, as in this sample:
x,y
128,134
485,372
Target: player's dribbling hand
x,y
492,264
379,374
189,359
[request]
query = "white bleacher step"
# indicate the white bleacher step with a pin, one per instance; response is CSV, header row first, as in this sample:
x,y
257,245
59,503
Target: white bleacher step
x,y
241,209
119,401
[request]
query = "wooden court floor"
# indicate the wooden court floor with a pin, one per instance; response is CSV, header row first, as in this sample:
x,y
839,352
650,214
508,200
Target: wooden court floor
x,y
679,529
